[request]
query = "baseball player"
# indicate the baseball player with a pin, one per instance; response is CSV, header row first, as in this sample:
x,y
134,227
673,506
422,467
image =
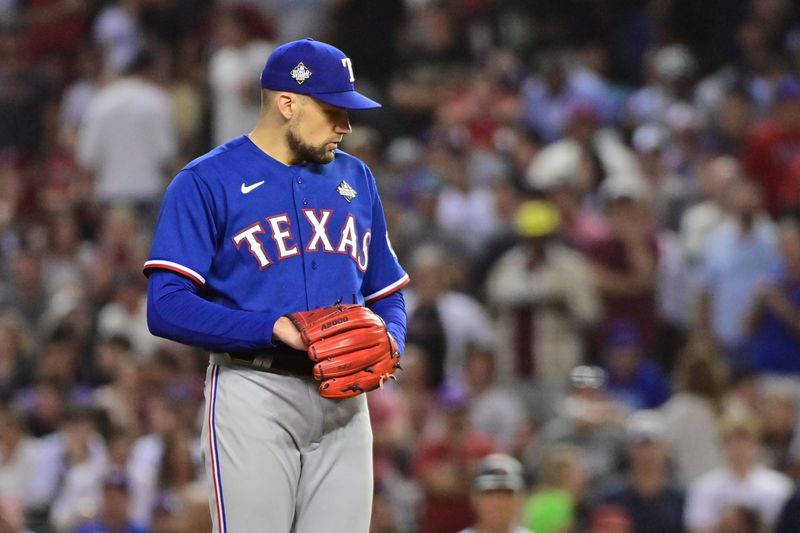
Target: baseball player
x,y
271,251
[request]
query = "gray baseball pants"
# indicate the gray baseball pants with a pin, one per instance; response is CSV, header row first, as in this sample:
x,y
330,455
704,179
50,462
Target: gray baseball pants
x,y
280,458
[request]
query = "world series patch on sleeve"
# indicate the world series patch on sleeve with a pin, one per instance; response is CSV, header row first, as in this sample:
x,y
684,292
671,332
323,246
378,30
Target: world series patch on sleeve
x,y
351,347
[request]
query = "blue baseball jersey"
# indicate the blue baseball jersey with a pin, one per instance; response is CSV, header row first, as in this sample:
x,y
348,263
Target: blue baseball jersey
x,y
259,235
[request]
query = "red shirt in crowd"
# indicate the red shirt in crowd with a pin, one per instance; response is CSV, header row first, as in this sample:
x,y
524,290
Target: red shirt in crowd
x,y
771,156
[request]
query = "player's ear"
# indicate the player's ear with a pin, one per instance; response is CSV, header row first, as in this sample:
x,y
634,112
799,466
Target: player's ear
x,y
287,104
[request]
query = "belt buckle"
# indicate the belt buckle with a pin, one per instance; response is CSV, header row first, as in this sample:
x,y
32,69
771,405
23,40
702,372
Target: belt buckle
x,y
262,362
258,362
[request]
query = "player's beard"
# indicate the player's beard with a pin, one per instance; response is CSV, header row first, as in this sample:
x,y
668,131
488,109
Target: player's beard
x,y
306,152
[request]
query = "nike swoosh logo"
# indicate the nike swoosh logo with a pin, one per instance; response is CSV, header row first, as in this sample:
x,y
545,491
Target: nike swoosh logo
x,y
249,188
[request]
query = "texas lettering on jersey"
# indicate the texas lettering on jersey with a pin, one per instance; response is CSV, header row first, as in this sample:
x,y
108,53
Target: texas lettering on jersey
x,y
344,240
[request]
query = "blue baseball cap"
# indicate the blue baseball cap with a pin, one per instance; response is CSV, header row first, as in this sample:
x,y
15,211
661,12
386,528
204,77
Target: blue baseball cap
x,y
316,69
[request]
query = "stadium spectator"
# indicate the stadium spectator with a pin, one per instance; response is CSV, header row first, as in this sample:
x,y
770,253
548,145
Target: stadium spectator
x,y
27,99
445,322
692,414
586,156
78,94
610,519
66,260
554,505
544,298
770,151
625,264
16,364
652,501
126,315
742,481
668,194
25,294
634,380
130,163
496,489
700,220
445,463
549,96
431,65
778,411
19,452
113,517
418,397
669,71
146,456
391,426
232,71
495,409
462,203
587,419
179,465
773,320
67,480
738,255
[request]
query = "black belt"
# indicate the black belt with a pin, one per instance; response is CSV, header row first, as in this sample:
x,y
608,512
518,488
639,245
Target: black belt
x,y
281,360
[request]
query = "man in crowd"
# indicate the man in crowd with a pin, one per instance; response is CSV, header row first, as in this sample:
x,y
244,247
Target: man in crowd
x,y
496,495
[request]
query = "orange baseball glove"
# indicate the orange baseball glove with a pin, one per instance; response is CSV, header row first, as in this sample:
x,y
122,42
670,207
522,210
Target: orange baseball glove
x,y
351,347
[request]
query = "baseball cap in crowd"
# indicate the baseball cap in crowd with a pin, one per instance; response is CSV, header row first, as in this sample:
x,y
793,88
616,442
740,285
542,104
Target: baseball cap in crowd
x,y
316,69
453,396
537,218
623,334
498,471
645,426
587,377
674,61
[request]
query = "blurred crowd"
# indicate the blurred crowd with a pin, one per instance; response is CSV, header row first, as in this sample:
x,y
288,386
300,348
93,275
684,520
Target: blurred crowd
x,y
598,203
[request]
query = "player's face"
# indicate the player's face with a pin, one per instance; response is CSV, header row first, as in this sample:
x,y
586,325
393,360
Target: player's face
x,y
317,131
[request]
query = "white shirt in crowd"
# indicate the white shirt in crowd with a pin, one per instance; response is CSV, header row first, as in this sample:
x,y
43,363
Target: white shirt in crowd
x,y
72,491
15,470
469,216
114,319
763,489
692,436
464,321
127,139
229,70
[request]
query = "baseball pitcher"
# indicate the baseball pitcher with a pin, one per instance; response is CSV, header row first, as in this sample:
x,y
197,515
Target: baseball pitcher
x,y
271,251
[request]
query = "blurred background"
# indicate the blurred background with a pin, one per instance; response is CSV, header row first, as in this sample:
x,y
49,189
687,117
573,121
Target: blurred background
x,y
598,202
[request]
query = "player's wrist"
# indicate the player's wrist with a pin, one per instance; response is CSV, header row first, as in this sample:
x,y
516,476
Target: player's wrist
x,y
285,331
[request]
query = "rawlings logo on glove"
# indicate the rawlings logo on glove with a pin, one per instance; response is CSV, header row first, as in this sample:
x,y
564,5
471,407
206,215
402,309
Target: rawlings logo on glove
x,y
351,347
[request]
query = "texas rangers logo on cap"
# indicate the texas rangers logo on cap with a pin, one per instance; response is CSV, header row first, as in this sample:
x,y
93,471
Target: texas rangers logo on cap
x,y
300,73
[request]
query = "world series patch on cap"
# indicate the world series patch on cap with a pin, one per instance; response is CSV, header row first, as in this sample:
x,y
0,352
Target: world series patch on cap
x,y
316,69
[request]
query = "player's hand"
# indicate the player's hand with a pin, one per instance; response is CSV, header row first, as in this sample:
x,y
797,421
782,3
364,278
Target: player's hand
x,y
285,332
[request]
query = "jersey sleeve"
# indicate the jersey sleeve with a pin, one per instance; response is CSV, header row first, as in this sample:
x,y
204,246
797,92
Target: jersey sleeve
x,y
186,232
384,274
